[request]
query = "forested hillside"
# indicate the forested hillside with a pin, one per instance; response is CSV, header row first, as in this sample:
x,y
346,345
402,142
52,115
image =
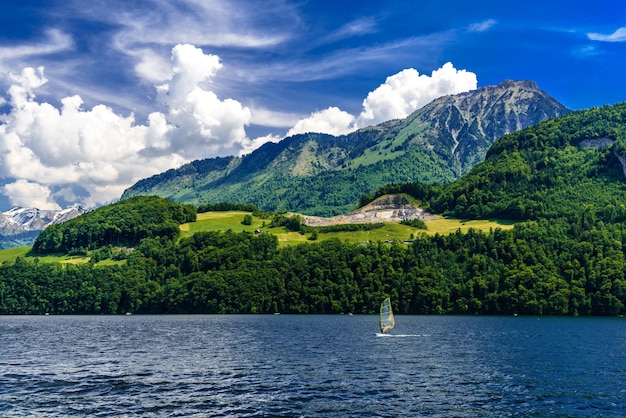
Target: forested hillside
x,y
573,267
124,223
559,168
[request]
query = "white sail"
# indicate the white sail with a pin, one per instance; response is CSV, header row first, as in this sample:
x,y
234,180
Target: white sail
x,y
387,322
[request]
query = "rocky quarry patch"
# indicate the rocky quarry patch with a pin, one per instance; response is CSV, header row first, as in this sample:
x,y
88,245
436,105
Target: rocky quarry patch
x,y
392,208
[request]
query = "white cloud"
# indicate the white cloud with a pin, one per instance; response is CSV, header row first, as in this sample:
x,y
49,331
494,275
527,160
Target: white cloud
x,y
146,33
332,121
56,41
618,36
358,27
482,26
586,51
400,95
405,92
216,23
74,155
98,149
151,66
28,194
267,117
43,146
253,144
204,124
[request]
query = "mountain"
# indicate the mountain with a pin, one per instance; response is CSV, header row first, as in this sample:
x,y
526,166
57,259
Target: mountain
x,y
20,226
572,166
468,123
325,175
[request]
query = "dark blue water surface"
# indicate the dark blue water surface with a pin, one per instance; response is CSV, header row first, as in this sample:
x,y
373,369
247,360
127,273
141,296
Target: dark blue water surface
x,y
291,366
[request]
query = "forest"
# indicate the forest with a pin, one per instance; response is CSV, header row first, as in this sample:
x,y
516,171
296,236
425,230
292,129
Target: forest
x,y
573,266
565,255
124,223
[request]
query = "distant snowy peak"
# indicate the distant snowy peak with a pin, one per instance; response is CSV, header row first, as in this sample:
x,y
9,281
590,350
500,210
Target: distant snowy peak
x,y
67,214
19,219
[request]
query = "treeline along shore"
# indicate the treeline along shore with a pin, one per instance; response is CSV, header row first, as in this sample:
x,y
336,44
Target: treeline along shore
x,y
571,266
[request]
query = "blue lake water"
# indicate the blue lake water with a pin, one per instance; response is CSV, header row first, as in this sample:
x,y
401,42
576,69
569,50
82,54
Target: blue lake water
x,y
311,366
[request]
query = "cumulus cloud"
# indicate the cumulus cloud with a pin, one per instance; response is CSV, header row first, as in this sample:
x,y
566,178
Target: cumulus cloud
x,y
44,146
400,95
27,194
204,123
47,148
618,36
408,90
151,66
64,154
332,121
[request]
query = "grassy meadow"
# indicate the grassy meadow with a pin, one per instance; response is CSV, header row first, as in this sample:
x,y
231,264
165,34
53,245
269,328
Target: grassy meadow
x,y
223,221
231,220
9,255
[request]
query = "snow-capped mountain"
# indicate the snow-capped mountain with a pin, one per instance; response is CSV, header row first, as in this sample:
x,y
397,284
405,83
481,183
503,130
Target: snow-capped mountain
x,y
18,220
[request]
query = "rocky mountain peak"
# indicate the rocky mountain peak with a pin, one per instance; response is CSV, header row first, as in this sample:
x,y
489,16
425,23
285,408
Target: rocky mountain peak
x,y
468,123
519,84
19,220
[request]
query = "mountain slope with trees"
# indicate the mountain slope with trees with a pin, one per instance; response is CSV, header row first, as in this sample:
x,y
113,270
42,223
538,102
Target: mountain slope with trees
x,y
559,168
124,223
325,175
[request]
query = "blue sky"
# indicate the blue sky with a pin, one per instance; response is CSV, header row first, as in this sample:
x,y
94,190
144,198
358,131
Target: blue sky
x,y
95,95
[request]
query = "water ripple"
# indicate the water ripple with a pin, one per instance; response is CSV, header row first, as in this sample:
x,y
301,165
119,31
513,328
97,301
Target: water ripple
x,y
290,366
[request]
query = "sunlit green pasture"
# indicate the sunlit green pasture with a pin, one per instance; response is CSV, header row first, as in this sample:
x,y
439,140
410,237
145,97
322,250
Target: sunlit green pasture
x,y
223,221
12,253
9,255
444,226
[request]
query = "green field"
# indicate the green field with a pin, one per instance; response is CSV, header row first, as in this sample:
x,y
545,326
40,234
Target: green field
x,y
223,221
11,254
446,226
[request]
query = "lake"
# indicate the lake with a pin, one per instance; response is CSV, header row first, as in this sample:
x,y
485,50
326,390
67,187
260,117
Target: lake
x,y
311,366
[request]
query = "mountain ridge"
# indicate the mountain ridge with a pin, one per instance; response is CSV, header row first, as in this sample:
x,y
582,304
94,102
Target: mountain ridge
x,y
20,225
325,175
562,167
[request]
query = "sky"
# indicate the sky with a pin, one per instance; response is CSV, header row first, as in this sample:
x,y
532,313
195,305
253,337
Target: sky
x,y
96,95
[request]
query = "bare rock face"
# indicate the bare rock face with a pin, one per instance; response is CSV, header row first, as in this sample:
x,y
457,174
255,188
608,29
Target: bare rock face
x,y
468,123
390,208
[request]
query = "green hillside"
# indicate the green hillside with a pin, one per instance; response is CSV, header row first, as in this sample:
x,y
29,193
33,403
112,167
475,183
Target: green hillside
x,y
559,168
232,220
324,175
124,223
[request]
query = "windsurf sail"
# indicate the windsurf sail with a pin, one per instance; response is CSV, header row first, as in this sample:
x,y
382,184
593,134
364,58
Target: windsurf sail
x,y
386,316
